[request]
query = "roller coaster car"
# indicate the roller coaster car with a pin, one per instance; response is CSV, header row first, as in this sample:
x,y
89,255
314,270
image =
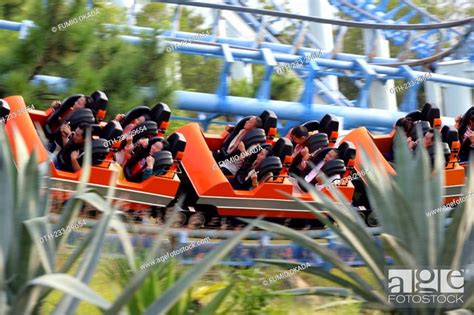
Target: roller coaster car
x,y
210,195
379,146
157,190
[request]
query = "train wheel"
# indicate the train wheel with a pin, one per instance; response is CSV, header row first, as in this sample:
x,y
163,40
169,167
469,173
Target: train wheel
x,y
372,219
197,220
362,215
180,219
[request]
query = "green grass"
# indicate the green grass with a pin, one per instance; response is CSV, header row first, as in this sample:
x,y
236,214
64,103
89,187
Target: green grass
x,y
102,284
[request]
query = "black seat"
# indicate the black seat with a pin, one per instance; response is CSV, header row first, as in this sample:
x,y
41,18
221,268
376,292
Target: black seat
x,y
100,150
146,129
449,135
254,136
431,114
96,130
330,126
266,115
347,152
66,104
311,125
154,140
283,149
177,143
163,159
100,103
319,156
234,132
270,164
415,115
425,126
4,109
112,131
269,123
82,115
161,114
446,153
334,167
134,113
316,142
425,110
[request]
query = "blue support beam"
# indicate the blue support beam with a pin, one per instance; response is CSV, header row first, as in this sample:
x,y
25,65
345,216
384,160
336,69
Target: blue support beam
x,y
308,92
264,90
370,74
293,111
223,87
409,102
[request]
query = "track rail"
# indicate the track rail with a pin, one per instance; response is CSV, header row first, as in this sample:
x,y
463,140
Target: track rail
x,y
383,26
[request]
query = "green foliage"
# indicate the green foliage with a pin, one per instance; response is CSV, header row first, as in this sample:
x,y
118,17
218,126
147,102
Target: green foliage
x,y
249,296
285,87
412,238
91,56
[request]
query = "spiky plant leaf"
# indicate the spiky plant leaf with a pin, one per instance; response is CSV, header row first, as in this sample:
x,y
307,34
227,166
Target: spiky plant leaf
x,y
216,302
37,228
325,253
136,282
171,296
87,267
401,203
72,286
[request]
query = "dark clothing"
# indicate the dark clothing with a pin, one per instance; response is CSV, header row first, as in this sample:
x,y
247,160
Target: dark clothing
x,y
240,182
64,156
464,123
465,150
147,173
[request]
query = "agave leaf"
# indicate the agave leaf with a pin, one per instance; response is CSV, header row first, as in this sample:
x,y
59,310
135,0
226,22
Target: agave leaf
x,y
351,228
317,271
39,227
437,188
325,253
460,227
71,286
86,164
336,304
44,202
79,249
412,178
469,294
119,226
68,304
4,307
136,282
29,180
161,236
7,187
111,189
395,249
212,307
327,291
171,296
69,213
21,150
394,212
94,199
